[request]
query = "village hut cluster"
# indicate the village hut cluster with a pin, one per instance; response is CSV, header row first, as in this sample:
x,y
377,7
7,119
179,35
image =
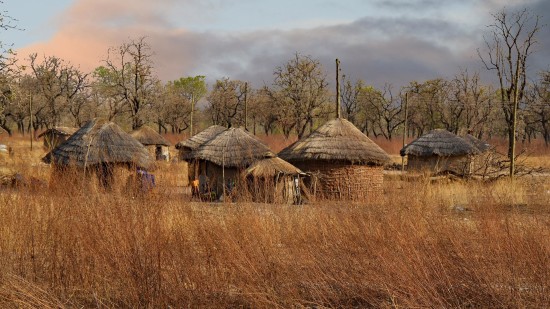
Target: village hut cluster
x,y
336,161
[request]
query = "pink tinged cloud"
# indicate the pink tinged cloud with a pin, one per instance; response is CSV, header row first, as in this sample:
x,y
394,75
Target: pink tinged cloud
x,y
90,27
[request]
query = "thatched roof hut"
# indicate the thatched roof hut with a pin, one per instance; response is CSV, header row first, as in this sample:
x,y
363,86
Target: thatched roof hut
x,y
147,136
153,141
99,142
336,140
233,147
223,158
55,136
344,162
200,138
440,151
439,142
99,147
273,180
481,145
272,167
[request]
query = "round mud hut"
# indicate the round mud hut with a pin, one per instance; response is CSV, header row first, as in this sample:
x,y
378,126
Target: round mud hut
x,y
273,180
154,142
342,161
440,151
98,148
187,146
223,158
55,136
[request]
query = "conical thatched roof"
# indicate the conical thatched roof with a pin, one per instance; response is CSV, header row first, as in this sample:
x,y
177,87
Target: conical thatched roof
x,y
338,140
482,146
99,142
233,147
148,136
66,131
272,167
200,138
439,142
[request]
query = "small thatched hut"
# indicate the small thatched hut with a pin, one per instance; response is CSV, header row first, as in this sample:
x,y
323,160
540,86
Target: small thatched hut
x,y
273,180
55,136
154,142
192,143
440,151
224,157
187,146
99,148
343,162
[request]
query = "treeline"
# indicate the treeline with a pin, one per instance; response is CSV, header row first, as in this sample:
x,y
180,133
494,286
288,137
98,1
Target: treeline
x,y
125,89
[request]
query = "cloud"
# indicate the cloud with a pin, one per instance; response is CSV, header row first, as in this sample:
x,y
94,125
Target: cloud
x,y
394,49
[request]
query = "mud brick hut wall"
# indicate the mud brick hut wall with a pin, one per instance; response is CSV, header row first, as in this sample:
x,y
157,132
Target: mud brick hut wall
x,y
342,180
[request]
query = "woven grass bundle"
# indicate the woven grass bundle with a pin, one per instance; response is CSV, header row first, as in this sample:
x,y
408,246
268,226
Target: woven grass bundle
x,y
148,136
99,142
233,147
336,140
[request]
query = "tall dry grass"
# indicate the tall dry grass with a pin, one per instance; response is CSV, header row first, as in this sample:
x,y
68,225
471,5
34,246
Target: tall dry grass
x,y
424,244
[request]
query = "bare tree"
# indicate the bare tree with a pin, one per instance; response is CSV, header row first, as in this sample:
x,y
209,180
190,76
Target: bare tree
x,y
350,96
301,90
509,46
132,80
60,84
226,102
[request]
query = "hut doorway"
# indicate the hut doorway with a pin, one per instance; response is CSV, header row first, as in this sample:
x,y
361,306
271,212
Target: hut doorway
x,y
105,174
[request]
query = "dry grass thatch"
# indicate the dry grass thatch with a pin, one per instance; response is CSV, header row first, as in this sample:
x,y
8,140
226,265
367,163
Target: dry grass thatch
x,y
63,131
439,142
233,147
148,136
482,146
336,140
272,167
200,138
99,142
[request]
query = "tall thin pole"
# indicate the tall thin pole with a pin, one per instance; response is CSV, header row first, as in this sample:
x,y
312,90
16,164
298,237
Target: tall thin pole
x,y
192,110
405,129
338,111
246,106
514,124
30,114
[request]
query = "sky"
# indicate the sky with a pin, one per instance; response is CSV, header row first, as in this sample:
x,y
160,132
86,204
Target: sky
x,y
378,41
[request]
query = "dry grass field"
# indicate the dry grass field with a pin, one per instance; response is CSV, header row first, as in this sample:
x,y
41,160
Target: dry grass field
x,y
423,244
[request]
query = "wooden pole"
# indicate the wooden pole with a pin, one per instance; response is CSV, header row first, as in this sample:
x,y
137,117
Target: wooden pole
x,y
246,106
30,114
514,124
405,129
338,111
191,116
